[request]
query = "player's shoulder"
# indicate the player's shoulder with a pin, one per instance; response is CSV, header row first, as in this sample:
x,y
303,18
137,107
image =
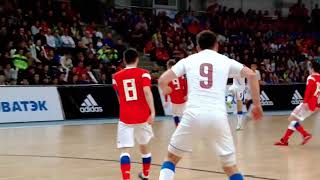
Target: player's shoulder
x,y
118,74
312,78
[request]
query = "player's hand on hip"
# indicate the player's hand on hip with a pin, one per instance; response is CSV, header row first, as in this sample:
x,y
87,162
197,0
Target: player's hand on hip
x,y
257,112
151,118
167,90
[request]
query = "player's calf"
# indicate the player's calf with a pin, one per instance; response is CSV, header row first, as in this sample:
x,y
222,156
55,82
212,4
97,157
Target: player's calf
x,y
230,168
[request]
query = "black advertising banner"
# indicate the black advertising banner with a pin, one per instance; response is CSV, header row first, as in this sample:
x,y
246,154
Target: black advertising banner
x,y
95,101
81,102
281,97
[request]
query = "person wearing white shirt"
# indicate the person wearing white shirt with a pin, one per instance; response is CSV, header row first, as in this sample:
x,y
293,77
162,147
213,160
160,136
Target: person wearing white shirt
x,y
205,115
67,41
51,42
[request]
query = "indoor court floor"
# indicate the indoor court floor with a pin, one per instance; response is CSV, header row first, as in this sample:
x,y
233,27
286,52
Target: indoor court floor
x,y
87,152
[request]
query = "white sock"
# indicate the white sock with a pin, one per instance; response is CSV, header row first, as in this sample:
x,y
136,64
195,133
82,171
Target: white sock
x,y
240,119
166,174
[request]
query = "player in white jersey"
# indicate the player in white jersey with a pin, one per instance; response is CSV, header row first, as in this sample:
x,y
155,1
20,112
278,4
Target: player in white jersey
x,y
237,91
205,114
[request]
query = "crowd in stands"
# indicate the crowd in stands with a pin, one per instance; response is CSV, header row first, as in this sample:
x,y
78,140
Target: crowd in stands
x,y
49,43
282,47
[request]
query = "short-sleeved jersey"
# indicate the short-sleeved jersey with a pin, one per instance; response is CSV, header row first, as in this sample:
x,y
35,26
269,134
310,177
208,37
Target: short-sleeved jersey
x,y
207,73
239,82
179,90
129,84
312,93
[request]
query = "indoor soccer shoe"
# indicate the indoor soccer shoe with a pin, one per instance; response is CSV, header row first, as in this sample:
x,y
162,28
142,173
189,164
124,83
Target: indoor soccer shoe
x,y
140,175
306,139
281,143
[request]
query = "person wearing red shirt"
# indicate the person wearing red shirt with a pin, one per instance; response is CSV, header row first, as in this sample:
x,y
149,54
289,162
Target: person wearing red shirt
x,y
310,105
178,95
137,113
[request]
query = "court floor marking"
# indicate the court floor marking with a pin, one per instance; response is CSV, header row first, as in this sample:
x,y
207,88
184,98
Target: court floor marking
x,y
117,161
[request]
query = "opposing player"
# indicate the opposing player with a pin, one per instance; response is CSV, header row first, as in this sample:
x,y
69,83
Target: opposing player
x,y
178,95
136,113
311,104
237,91
205,115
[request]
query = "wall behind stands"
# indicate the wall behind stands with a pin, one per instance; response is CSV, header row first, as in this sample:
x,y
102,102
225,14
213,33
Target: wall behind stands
x,y
26,104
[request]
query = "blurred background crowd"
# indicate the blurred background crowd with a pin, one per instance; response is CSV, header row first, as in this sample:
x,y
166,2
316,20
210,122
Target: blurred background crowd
x,y
51,43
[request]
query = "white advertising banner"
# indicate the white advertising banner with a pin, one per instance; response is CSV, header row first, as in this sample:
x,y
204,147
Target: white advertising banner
x,y
25,104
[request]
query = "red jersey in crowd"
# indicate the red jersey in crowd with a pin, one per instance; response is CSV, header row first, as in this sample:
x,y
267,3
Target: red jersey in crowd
x,y
179,90
129,84
312,93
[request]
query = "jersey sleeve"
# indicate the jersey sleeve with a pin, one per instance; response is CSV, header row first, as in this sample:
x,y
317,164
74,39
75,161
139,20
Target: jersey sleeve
x,y
179,68
146,79
114,84
235,68
310,89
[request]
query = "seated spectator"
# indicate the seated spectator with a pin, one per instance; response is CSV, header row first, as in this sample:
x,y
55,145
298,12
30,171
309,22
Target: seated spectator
x,y
3,81
87,39
162,55
80,69
75,79
67,41
10,73
51,41
103,79
57,39
66,62
63,79
41,36
109,40
178,53
35,80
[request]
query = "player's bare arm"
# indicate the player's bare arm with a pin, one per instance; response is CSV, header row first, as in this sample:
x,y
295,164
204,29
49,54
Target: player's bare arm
x,y
164,81
149,97
253,82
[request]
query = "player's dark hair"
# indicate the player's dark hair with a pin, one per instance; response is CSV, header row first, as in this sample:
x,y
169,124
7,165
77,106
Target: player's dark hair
x,y
316,65
171,63
130,56
206,39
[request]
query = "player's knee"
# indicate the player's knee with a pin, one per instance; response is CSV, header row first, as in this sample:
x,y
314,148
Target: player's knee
x,y
173,158
228,160
144,148
125,150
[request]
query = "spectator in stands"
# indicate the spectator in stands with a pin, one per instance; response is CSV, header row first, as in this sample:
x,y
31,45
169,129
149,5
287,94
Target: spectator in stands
x,y
10,73
2,80
75,79
87,39
51,41
162,55
315,15
66,62
62,79
67,40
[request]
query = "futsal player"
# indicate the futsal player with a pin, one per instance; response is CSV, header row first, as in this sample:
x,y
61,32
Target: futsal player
x,y
311,104
178,95
205,115
237,91
137,113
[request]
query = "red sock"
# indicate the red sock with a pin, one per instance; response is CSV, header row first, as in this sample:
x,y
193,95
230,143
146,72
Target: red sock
x,y
146,164
301,130
125,166
287,135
